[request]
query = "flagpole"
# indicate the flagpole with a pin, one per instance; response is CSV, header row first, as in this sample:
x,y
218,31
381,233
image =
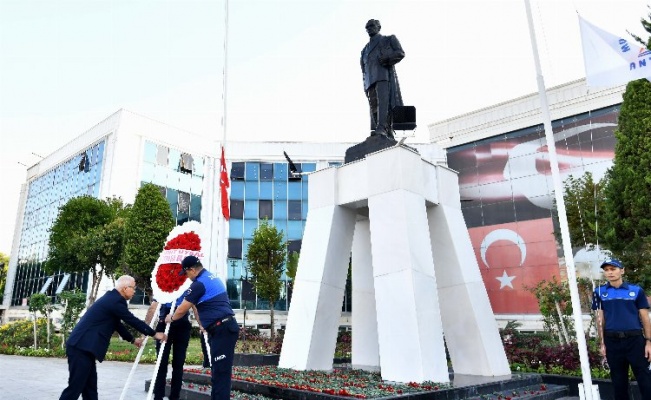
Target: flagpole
x,y
562,217
218,222
222,228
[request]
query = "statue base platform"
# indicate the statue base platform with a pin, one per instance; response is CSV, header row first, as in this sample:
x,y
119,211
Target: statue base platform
x,y
372,144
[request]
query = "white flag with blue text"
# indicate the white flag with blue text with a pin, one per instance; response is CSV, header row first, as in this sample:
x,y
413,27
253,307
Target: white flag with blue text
x,y
611,60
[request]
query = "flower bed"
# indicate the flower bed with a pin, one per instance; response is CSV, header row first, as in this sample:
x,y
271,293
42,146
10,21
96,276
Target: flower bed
x,y
340,382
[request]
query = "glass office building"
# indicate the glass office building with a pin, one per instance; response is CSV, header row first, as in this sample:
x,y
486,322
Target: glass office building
x,y
79,175
263,191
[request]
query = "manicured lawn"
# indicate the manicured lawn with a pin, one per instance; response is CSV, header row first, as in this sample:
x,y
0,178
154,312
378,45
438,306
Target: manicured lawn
x,y
120,350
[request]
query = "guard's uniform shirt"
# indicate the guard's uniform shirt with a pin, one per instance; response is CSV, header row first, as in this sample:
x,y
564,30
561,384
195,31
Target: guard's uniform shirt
x,y
625,345
620,305
167,307
208,293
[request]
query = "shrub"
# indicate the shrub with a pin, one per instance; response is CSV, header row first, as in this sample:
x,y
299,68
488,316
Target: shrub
x,y
21,334
540,353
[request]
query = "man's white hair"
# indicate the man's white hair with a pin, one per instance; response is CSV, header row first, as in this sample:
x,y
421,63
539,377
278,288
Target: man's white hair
x,y
124,281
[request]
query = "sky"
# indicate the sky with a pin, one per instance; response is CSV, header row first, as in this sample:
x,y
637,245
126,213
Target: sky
x,y
292,67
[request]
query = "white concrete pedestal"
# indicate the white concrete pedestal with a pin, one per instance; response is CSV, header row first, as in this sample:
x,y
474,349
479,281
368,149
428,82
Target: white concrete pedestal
x,y
402,217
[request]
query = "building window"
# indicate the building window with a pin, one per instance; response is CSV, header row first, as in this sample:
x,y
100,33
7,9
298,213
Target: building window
x,y
235,248
294,210
266,171
161,155
265,209
184,202
84,163
186,163
161,189
237,209
237,171
295,175
294,246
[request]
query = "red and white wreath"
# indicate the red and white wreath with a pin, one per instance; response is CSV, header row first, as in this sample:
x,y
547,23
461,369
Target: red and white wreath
x,y
184,240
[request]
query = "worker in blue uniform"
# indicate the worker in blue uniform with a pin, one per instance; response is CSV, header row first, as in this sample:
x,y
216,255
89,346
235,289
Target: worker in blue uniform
x,y
208,293
90,338
178,339
625,329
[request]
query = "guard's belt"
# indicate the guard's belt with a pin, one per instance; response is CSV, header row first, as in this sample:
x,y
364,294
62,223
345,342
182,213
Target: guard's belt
x,y
210,328
623,334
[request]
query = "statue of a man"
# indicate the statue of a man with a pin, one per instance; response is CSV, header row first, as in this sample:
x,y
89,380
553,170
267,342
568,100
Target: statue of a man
x,y
379,56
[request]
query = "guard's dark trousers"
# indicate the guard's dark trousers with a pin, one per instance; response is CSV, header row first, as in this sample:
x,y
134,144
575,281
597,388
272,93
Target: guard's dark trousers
x,y
222,350
622,352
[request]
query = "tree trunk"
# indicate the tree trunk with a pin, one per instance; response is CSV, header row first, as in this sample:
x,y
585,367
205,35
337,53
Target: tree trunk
x,y
35,333
94,287
271,315
47,322
561,322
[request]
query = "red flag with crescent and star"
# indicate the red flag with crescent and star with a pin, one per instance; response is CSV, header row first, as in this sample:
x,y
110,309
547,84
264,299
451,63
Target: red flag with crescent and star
x,y
224,184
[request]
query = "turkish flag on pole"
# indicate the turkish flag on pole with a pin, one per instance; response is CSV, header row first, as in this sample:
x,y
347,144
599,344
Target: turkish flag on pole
x,y
223,186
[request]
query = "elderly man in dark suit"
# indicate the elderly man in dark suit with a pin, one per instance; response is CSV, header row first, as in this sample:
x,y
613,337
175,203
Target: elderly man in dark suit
x,y
90,338
378,58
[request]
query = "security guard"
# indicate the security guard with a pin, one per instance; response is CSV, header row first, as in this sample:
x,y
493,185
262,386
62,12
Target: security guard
x,y
209,295
623,320
177,343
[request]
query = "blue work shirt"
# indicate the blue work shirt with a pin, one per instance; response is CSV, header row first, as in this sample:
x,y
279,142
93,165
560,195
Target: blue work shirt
x,y
208,293
167,307
620,305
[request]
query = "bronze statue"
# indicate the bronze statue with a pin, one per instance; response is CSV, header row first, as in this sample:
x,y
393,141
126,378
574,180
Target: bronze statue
x,y
378,59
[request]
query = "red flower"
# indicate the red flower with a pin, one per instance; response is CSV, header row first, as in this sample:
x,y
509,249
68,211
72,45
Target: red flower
x,y
187,241
167,276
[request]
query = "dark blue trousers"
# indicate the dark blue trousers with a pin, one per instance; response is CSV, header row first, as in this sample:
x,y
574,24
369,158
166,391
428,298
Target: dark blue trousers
x,y
222,350
204,352
82,379
177,340
625,352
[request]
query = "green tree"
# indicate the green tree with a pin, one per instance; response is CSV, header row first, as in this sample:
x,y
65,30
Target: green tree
x,y
646,24
585,210
87,235
628,192
266,255
73,302
292,267
4,270
41,303
556,308
146,229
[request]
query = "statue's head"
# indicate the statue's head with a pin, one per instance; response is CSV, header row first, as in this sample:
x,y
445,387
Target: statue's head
x,y
373,27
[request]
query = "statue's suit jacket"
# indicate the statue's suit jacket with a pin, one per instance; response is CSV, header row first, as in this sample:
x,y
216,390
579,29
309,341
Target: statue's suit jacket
x,y
94,330
380,46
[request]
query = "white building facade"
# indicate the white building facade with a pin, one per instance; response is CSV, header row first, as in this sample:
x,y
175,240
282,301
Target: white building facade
x,y
505,181
498,151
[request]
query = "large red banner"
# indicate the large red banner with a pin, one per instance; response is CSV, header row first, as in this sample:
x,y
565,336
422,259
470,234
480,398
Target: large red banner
x,y
513,257
507,188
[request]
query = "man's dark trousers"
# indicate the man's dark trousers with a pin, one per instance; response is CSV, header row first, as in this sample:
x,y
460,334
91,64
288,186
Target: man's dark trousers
x,y
222,350
178,339
378,100
83,375
622,352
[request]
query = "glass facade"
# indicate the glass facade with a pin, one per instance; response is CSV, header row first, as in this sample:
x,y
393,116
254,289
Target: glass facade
x,y
507,188
263,190
179,177
79,175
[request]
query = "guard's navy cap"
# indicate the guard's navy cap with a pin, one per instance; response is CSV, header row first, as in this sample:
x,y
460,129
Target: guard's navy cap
x,y
188,262
614,262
